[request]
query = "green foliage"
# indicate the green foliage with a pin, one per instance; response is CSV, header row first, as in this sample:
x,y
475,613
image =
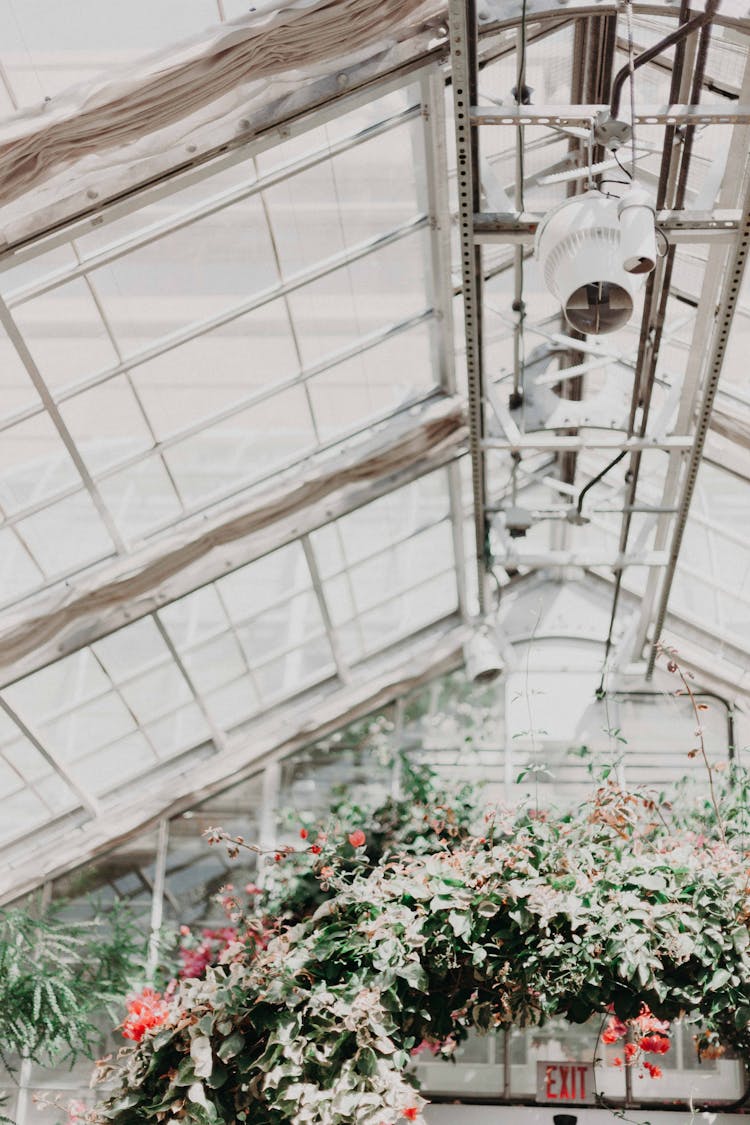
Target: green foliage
x,y
55,975
423,810
621,902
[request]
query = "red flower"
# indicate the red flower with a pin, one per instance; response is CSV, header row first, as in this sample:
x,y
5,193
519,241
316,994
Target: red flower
x,y
303,833
145,1011
614,1030
657,1044
654,1070
630,1051
357,839
315,849
412,1112
617,1061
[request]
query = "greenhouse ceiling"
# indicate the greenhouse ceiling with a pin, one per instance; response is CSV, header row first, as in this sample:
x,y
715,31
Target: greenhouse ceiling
x,y
261,465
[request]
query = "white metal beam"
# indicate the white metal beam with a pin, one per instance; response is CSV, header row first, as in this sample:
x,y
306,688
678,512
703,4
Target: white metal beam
x,y
679,227
560,116
375,683
464,76
54,624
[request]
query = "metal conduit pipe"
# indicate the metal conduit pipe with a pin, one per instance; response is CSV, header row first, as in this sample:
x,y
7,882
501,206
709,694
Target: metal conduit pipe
x,y
677,36
652,326
727,304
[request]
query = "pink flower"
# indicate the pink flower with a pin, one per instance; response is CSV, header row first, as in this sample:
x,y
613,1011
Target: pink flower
x,y
145,1011
252,889
357,839
425,1045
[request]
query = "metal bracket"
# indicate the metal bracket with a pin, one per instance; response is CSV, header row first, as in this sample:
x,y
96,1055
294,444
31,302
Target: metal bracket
x,y
610,132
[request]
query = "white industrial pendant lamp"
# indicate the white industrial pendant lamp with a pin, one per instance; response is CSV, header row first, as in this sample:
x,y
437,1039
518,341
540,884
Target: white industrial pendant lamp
x,y
594,250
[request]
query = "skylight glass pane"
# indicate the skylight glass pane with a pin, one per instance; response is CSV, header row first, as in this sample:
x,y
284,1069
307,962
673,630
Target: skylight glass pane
x,y
393,517
46,47
18,572
141,498
25,767
188,276
284,627
156,692
248,591
373,383
134,649
215,663
65,334
107,424
89,727
63,685
66,535
190,384
193,618
247,447
355,196
180,730
308,663
365,296
416,608
112,765
233,703
34,464
16,389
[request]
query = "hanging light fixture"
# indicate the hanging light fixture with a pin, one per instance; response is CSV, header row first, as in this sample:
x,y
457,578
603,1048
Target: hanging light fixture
x,y
579,247
484,657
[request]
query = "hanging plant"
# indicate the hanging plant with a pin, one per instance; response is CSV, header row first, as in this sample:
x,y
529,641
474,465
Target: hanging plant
x,y
57,975
424,811
624,908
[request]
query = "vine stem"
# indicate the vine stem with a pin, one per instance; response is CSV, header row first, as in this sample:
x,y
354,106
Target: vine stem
x,y
674,666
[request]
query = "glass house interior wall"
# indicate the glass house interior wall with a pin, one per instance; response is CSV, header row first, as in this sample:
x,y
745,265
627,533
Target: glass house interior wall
x,y
468,733
170,368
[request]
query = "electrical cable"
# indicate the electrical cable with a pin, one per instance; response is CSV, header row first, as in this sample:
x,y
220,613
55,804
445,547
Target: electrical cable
x,y
595,480
621,166
521,172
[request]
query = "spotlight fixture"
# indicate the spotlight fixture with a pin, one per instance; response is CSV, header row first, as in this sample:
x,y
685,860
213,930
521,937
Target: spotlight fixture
x,y
526,92
591,257
637,215
518,521
482,657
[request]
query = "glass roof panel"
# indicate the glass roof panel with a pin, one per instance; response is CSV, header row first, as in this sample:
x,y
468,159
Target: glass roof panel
x,y
284,301
47,47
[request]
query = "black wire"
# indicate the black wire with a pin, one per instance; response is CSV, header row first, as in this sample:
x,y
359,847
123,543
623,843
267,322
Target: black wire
x,y
520,86
665,247
621,166
595,480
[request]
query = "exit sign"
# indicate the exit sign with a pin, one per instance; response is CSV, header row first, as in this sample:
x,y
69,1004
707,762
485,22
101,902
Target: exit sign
x,y
565,1083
